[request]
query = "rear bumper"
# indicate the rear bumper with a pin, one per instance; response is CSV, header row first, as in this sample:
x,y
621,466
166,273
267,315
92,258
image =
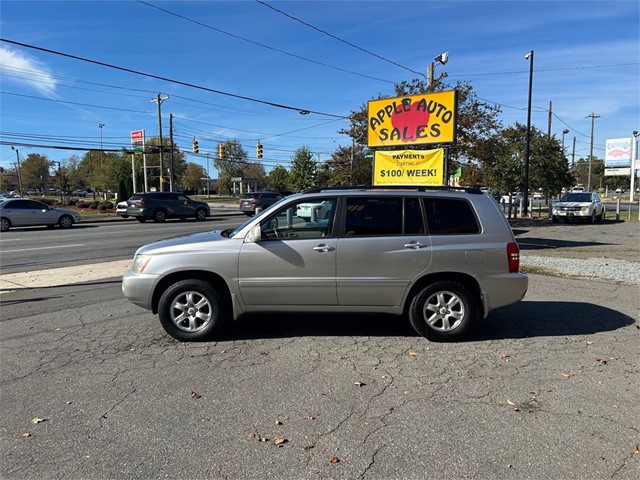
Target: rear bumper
x,y
503,289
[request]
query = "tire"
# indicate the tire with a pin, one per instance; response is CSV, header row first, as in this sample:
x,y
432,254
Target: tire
x,y
141,219
65,221
600,217
191,310
443,311
594,217
5,224
159,216
201,214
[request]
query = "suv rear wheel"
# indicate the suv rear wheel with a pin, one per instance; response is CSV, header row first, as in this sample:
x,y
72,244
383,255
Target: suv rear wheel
x,y
442,311
191,310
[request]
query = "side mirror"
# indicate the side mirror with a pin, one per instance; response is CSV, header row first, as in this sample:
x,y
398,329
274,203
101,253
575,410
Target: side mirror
x,y
254,235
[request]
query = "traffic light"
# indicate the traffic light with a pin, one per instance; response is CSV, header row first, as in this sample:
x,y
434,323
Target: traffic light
x,y
259,150
221,150
195,146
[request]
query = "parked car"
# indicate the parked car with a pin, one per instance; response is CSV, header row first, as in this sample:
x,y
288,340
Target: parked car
x,y
445,257
252,203
314,210
579,206
23,212
79,193
517,198
158,206
121,209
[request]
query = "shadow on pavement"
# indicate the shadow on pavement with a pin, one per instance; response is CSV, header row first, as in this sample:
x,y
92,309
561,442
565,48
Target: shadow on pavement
x,y
521,320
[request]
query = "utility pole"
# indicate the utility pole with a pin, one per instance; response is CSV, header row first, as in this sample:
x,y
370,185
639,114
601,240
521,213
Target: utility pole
x,y
159,99
593,117
550,116
18,169
573,153
172,173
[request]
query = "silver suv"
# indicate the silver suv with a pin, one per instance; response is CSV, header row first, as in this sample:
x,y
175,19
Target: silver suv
x,y
443,257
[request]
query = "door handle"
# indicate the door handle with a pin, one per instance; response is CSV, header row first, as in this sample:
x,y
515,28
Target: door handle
x,y
324,248
414,245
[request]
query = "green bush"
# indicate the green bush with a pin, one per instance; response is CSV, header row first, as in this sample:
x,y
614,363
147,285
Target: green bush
x,y
94,205
107,205
72,201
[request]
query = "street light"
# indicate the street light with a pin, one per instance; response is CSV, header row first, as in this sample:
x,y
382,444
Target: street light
x,y
564,132
18,169
634,157
528,56
442,59
100,125
593,117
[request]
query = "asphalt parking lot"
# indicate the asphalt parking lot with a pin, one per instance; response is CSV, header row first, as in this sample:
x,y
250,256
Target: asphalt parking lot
x,y
547,388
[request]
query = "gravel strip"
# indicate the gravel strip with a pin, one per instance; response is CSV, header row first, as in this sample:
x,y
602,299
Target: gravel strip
x,y
622,271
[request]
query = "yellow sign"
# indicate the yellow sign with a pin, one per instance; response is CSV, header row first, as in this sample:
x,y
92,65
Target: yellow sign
x,y
413,120
409,167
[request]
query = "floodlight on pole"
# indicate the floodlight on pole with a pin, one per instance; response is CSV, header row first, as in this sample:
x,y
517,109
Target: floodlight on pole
x,y
564,132
528,56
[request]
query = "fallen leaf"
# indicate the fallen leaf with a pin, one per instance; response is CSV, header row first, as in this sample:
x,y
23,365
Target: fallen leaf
x,y
589,343
602,361
206,419
413,354
309,417
264,439
505,357
567,374
516,408
636,451
334,460
359,383
252,436
26,434
280,441
278,422
195,395
36,420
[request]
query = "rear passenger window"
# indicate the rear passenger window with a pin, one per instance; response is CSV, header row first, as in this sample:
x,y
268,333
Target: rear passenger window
x,y
450,217
367,216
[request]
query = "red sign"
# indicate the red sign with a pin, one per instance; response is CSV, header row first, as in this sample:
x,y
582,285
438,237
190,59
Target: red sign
x,y
137,135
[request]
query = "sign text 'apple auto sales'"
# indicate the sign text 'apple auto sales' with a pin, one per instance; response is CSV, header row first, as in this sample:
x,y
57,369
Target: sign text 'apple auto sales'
x,y
412,120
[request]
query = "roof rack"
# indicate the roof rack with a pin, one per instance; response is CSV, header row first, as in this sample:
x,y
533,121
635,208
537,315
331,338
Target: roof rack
x,y
355,188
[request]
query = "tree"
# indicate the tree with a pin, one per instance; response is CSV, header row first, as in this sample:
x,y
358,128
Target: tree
x,y
231,165
303,168
35,171
502,157
255,170
192,178
278,179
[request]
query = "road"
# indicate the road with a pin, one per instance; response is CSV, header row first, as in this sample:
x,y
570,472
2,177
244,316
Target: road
x,y
89,242
92,387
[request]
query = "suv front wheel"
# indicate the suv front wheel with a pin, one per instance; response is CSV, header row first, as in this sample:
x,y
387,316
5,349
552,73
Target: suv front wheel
x,y
191,310
442,311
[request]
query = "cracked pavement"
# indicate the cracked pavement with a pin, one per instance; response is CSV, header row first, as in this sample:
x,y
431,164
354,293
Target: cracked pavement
x,y
546,388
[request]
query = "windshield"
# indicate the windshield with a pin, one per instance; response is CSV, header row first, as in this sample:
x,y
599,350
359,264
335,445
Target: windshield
x,y
576,197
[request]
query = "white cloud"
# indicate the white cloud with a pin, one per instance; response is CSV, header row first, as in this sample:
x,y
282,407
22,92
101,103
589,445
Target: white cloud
x,y
20,69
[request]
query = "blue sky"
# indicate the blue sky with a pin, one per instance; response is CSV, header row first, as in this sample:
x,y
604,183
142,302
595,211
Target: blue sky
x,y
587,56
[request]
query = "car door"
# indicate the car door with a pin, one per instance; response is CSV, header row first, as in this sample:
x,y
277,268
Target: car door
x,y
184,206
384,248
293,264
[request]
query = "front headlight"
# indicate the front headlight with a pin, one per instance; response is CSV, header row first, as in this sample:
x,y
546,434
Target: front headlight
x,y
140,262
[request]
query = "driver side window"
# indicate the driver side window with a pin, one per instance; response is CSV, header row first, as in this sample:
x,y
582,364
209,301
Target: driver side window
x,y
307,219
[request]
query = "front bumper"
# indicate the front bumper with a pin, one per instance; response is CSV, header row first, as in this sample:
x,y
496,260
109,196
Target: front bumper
x,y
138,288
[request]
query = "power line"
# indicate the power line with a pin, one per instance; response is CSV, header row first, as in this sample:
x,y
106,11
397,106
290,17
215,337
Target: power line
x,y
169,12
338,38
300,110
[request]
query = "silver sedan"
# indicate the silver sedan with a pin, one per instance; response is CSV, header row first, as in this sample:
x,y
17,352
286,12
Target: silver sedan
x,y
22,212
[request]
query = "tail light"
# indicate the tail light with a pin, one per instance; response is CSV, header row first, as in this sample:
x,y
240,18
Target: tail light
x,y
513,257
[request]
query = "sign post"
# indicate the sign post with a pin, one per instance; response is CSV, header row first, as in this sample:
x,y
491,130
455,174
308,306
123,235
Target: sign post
x,y
137,145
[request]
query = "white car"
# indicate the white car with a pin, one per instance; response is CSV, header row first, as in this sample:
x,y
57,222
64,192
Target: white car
x,y
313,211
579,206
121,209
517,198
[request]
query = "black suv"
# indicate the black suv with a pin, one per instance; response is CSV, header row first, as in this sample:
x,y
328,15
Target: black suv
x,y
252,203
158,206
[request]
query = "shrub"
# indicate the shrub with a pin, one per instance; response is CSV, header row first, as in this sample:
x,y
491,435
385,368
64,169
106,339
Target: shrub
x,y
94,205
83,204
72,201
